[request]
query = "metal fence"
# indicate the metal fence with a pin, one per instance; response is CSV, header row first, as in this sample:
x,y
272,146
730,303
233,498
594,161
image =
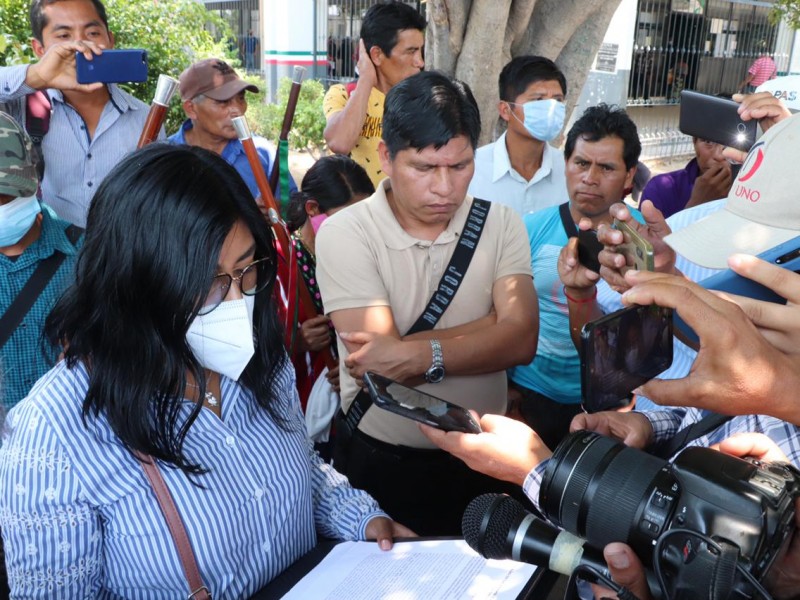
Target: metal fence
x,y
702,45
706,46
244,18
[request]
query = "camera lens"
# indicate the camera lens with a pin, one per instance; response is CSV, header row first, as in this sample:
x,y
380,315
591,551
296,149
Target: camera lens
x,y
597,488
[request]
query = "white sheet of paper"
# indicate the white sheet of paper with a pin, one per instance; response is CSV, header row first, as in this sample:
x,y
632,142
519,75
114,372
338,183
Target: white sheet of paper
x,y
428,570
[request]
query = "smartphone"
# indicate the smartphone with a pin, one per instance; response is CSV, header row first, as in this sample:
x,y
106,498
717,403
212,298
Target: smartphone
x,y
621,351
413,404
716,120
786,255
638,251
112,66
588,249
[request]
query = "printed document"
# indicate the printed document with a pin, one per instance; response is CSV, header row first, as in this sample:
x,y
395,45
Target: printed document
x,y
424,570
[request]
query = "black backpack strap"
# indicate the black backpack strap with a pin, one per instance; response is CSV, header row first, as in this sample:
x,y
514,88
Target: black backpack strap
x,y
682,438
33,288
441,298
566,220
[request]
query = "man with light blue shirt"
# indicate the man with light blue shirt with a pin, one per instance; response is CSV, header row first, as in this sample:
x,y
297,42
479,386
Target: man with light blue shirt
x,y
602,150
213,95
521,169
91,126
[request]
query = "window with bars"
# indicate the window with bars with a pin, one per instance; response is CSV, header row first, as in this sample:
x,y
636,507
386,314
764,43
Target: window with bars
x,y
703,45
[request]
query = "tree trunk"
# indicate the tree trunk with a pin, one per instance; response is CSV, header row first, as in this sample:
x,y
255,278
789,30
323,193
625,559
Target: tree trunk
x,y
474,39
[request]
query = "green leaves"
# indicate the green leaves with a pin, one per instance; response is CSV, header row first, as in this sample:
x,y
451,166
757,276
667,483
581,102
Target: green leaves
x,y
788,10
308,123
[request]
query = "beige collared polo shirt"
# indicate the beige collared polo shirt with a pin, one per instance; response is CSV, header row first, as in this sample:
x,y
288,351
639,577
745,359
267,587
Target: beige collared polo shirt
x,y
365,258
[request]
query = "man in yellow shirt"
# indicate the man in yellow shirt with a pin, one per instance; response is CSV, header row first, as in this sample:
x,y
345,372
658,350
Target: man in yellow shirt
x,y
390,50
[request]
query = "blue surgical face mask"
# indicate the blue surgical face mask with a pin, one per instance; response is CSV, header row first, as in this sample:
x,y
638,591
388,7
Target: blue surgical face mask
x,y
16,219
544,119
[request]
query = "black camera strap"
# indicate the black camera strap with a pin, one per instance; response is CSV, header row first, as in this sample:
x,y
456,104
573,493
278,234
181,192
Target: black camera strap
x,y
667,448
441,298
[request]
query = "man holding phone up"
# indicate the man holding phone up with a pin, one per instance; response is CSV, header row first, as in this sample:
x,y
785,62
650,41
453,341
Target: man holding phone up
x,y
421,255
601,153
92,126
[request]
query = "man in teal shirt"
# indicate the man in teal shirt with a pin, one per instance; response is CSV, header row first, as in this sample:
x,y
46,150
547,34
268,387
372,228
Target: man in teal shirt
x,y
601,153
30,234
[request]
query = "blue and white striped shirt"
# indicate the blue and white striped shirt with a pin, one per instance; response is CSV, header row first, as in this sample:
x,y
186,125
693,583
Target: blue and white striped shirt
x,y
80,520
683,356
76,164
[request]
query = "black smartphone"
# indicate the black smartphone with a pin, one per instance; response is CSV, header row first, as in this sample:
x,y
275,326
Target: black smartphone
x,y
588,249
786,255
413,404
112,66
621,351
716,120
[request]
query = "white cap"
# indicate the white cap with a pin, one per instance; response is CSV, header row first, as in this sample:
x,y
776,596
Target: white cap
x,y
762,209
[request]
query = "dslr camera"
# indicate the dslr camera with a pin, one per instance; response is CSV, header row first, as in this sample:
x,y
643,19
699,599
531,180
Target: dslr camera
x,y
708,525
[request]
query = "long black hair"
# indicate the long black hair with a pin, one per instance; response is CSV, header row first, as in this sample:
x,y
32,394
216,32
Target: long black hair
x,y
153,238
332,181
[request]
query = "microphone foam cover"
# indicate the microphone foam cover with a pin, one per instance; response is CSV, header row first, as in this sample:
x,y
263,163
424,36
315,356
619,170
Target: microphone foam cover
x,y
505,513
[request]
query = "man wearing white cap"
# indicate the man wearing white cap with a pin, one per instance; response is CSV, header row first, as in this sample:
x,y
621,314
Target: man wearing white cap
x,y
37,254
212,95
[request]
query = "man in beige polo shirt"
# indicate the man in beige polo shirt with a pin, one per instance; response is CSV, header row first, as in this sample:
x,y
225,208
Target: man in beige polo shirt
x,y
379,263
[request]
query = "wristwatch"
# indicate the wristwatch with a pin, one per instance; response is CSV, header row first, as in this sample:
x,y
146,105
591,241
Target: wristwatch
x,y
435,373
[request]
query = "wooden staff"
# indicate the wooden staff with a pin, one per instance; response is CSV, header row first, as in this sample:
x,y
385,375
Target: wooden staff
x,y
165,89
281,233
288,117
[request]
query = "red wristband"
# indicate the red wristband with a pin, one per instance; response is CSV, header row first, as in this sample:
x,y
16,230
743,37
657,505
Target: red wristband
x,y
576,300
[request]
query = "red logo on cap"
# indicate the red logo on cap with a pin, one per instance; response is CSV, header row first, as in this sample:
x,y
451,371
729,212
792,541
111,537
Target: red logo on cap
x,y
752,163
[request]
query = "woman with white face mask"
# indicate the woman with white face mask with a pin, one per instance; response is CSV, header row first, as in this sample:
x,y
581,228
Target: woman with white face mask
x,y
172,351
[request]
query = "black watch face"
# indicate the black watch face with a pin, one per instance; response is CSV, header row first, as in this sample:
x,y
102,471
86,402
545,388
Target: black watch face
x,y
434,374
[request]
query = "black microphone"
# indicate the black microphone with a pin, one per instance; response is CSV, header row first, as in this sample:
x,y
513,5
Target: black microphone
x,y
497,526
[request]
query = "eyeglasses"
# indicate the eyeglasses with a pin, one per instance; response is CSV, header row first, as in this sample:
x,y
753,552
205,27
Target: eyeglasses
x,y
254,278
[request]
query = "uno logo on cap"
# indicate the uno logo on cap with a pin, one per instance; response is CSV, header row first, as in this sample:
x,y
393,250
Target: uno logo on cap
x,y
752,163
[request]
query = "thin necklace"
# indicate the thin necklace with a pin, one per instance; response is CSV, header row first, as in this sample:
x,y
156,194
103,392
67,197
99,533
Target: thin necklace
x,y
211,399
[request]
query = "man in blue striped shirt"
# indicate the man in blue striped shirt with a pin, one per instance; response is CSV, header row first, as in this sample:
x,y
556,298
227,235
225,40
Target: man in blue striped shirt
x,y
30,234
91,126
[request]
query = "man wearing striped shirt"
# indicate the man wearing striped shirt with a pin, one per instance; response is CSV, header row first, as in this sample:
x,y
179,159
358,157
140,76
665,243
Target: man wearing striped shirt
x,y
91,126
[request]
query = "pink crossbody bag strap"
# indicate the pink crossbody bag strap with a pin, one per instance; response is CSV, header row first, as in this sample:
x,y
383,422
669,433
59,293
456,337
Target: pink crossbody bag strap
x,y
198,590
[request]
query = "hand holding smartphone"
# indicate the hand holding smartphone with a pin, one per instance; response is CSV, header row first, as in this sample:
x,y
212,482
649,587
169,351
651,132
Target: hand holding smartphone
x,y
621,351
716,120
419,406
112,66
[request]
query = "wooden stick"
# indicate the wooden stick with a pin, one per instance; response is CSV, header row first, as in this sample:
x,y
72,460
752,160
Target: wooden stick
x,y
165,89
279,229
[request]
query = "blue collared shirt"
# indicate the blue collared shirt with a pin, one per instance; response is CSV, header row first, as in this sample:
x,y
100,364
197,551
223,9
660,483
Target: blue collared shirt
x,y
25,357
497,181
80,520
234,155
75,164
